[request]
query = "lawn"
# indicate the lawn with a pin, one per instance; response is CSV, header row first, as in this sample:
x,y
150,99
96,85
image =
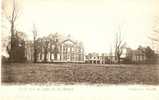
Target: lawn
x,y
79,73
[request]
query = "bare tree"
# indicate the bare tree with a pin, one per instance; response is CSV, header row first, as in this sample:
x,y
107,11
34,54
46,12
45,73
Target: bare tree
x,y
11,16
119,45
56,51
35,44
46,47
54,42
154,36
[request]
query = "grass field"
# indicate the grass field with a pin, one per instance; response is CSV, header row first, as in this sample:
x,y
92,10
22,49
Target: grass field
x,y
79,73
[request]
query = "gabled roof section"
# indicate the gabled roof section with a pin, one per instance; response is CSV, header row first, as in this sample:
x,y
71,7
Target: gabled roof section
x,y
69,40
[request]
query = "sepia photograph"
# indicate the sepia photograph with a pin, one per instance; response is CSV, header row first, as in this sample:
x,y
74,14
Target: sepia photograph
x,y
80,42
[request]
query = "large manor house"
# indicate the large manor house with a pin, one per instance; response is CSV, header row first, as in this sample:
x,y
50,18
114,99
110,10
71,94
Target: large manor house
x,y
61,48
56,48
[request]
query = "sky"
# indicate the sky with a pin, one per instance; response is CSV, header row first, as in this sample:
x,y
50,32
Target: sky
x,y
94,22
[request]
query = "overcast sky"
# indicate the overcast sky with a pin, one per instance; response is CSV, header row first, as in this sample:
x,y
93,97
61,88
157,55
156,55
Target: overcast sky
x,y
94,22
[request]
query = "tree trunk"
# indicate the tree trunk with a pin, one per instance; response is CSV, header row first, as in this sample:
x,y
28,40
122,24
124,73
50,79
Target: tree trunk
x,y
35,55
12,43
35,51
118,59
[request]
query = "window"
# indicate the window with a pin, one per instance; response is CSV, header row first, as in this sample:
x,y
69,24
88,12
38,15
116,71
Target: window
x,y
68,49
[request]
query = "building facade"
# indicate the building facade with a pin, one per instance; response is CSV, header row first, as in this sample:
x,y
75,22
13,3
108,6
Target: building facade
x,y
103,58
57,49
29,51
136,56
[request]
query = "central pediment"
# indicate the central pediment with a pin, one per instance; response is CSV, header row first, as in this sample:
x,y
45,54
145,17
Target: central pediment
x,y
68,41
